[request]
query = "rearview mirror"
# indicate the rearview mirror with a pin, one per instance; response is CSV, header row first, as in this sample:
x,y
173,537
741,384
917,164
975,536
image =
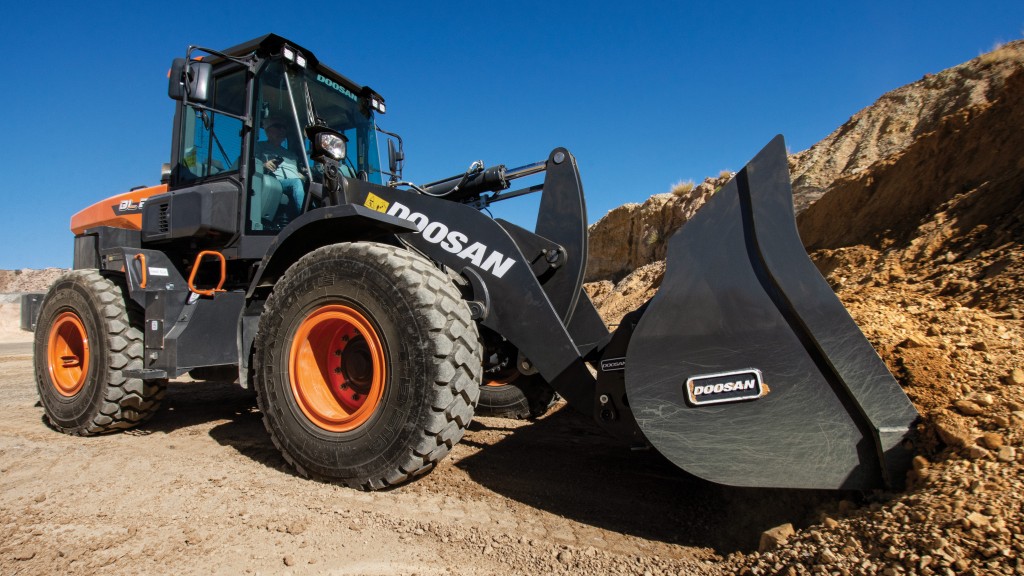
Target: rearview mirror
x,y
395,158
189,79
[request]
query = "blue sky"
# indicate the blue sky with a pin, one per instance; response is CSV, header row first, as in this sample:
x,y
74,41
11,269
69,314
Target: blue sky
x,y
644,94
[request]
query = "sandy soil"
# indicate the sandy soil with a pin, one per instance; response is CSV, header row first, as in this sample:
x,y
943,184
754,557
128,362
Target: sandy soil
x,y
201,489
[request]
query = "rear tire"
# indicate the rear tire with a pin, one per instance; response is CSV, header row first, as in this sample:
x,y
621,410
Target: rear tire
x,y
367,365
88,333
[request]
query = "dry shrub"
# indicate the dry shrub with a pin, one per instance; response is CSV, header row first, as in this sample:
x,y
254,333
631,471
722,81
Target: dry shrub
x,y
683,187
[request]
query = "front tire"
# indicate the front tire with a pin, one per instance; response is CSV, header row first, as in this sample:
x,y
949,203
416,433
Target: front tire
x,y
506,392
522,398
367,365
88,333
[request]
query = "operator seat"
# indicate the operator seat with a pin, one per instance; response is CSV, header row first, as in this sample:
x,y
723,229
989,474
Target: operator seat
x,y
267,198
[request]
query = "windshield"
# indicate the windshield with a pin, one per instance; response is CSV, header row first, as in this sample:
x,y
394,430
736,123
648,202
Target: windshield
x,y
335,105
289,99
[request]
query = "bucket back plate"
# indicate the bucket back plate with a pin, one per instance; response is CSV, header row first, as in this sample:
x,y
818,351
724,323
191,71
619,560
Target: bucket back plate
x,y
746,370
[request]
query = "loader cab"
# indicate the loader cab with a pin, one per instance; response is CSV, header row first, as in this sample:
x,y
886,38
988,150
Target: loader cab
x,y
239,109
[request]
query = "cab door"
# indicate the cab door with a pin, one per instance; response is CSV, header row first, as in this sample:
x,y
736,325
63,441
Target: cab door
x,y
206,187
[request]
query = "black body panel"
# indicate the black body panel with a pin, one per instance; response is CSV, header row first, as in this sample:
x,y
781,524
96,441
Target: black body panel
x,y
183,330
562,219
95,245
30,304
316,228
208,211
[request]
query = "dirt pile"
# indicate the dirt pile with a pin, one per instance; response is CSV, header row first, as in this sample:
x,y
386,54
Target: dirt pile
x,y
921,234
946,214
28,280
614,301
12,284
963,369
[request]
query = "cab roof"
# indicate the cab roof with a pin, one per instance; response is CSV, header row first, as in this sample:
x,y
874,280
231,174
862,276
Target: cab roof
x,y
271,44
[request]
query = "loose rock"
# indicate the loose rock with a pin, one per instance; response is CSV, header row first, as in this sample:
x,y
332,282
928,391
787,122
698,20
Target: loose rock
x,y
968,408
1015,377
775,537
991,440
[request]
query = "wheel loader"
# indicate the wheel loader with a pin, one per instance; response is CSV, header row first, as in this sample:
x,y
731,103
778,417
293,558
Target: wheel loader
x,y
374,315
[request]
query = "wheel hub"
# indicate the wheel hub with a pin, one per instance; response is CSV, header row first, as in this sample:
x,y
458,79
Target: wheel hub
x,y
337,368
68,354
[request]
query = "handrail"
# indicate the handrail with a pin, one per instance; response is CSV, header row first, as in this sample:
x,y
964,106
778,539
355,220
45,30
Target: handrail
x,y
195,268
142,264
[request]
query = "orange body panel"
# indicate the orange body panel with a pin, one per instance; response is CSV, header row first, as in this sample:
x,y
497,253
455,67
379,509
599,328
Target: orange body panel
x,y
121,211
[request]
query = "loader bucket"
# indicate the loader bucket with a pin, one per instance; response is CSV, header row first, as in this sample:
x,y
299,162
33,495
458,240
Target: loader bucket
x,y
746,370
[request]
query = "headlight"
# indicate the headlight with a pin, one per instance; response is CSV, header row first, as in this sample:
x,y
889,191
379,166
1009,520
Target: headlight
x,y
334,145
326,143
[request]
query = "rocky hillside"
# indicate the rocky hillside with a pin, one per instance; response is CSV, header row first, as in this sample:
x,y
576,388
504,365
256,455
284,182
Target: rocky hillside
x,y
634,235
899,118
946,214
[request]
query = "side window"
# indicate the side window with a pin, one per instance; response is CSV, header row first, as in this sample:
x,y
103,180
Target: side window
x,y
212,141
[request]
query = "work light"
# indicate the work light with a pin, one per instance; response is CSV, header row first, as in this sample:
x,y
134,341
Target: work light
x,y
332,144
326,143
292,55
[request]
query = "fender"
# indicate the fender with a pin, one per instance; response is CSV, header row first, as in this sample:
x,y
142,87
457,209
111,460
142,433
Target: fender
x,y
321,227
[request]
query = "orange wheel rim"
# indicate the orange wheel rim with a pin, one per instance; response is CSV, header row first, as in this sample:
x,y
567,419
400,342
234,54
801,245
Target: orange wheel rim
x,y
67,354
337,368
500,381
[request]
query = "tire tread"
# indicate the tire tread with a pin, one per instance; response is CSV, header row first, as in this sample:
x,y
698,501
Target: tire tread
x,y
457,355
128,401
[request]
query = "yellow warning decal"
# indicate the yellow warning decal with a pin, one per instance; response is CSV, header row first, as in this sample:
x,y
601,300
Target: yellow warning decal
x,y
374,202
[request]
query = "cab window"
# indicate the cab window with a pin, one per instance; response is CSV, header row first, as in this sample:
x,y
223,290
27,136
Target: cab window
x,y
212,141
